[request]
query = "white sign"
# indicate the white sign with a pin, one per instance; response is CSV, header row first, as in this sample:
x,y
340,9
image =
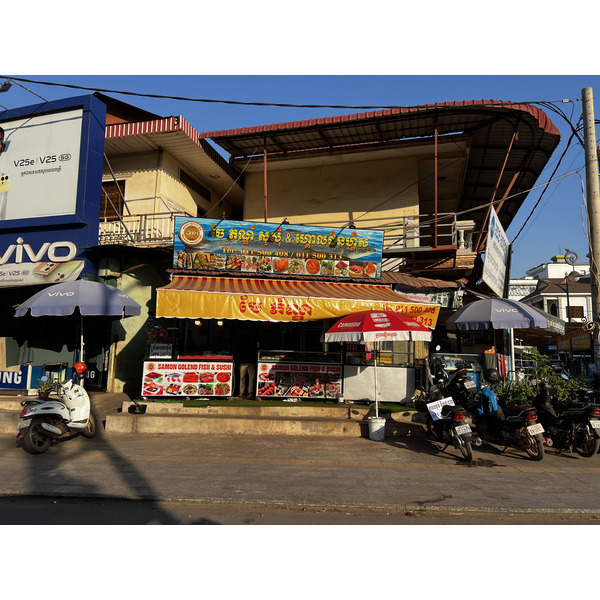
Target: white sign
x,y
161,350
39,165
435,408
496,254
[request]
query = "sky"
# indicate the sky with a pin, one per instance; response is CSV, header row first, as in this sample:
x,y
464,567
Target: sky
x,y
556,212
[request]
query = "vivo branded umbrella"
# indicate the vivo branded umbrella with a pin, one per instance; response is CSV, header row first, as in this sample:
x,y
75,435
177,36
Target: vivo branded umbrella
x,y
377,326
91,298
496,313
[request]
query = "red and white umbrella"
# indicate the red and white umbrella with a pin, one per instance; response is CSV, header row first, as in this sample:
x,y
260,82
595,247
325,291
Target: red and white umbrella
x,y
377,326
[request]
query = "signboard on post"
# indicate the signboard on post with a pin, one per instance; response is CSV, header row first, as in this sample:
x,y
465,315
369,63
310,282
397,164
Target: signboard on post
x,y
496,255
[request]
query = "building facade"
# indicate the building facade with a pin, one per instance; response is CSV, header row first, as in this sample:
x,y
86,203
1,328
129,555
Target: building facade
x,y
426,177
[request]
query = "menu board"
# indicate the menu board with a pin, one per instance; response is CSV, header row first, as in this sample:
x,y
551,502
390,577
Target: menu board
x,y
268,248
285,380
178,379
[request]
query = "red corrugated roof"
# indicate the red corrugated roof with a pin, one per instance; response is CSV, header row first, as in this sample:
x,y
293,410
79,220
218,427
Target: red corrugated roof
x,y
544,122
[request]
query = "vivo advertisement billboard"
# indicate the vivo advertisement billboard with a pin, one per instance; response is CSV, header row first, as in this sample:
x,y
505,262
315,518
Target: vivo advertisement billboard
x,y
51,157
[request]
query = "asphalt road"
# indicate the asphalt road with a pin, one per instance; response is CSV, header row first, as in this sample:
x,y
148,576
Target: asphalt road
x,y
43,510
395,476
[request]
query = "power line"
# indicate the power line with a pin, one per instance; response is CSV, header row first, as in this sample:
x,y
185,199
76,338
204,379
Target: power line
x,y
544,190
243,103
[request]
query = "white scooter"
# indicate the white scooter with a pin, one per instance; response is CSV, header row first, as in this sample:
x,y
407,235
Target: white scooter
x,y
45,421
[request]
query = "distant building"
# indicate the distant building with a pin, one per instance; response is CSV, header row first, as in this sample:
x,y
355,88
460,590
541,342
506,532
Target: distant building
x,y
546,287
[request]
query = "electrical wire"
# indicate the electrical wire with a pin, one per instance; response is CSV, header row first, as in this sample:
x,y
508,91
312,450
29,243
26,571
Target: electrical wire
x,y
545,188
243,103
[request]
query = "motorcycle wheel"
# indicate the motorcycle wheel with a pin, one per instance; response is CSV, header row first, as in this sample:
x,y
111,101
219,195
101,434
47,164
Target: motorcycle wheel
x,y
90,429
534,447
466,449
586,444
34,441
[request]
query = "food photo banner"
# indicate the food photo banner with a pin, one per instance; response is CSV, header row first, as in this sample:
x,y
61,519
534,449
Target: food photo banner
x,y
176,379
251,247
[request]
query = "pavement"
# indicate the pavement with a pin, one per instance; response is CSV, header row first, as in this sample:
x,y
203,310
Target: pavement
x,y
397,474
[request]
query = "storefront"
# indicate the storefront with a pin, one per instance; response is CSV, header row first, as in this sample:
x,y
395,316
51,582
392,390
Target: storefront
x,y
51,168
280,311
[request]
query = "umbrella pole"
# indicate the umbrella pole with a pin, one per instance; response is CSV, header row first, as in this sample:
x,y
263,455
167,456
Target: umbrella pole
x,y
375,375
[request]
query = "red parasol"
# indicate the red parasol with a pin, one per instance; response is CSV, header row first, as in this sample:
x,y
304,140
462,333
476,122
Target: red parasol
x,y
377,326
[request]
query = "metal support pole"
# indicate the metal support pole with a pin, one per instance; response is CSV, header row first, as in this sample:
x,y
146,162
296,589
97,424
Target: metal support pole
x,y
568,321
435,184
265,179
593,209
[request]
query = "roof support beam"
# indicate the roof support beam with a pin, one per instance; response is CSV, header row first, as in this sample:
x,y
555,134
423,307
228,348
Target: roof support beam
x,y
500,175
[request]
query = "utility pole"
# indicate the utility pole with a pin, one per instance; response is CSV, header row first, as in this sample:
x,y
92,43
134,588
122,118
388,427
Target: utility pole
x,y
593,209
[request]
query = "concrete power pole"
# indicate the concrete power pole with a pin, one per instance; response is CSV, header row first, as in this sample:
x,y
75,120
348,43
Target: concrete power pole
x,y
593,208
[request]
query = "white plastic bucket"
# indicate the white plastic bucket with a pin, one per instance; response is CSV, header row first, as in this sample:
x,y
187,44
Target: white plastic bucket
x,y
376,429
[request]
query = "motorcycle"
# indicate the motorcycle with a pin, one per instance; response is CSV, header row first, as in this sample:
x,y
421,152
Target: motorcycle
x,y
43,422
446,421
511,426
574,426
462,388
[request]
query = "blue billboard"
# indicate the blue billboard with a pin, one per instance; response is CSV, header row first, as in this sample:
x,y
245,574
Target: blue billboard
x,y
51,158
268,248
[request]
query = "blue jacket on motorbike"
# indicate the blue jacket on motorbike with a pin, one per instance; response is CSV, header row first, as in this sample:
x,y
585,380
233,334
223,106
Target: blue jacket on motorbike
x,y
487,402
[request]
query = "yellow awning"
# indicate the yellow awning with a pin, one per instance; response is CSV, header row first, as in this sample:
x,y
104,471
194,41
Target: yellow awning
x,y
281,300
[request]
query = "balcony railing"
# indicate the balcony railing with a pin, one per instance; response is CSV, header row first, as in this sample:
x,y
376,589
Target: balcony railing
x,y
407,232
140,230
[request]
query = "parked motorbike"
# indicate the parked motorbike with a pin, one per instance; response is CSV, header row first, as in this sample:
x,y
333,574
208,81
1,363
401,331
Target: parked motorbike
x,y
462,389
445,418
573,426
43,422
510,426
446,423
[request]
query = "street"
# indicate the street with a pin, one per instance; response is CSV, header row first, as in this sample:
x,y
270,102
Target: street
x,y
352,475
75,511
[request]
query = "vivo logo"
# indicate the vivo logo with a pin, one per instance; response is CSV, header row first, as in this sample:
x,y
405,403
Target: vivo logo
x,y
506,310
16,252
61,293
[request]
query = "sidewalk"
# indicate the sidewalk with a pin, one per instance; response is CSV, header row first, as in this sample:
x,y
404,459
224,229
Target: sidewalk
x,y
398,474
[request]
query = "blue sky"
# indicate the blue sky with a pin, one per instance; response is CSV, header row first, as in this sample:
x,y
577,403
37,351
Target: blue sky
x,y
557,222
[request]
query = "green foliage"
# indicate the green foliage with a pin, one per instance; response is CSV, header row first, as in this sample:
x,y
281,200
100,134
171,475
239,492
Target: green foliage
x,y
44,384
539,370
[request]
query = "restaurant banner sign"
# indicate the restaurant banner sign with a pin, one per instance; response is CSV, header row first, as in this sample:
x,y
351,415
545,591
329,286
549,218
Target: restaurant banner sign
x,y
269,248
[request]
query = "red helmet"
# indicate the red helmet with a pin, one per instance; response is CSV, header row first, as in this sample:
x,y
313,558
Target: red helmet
x,y
80,367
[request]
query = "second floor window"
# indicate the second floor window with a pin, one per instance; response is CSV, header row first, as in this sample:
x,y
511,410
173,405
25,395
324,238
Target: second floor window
x,y
110,190
575,312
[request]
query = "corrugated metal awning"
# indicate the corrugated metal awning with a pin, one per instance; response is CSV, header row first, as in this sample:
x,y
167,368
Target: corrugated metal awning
x,y
281,300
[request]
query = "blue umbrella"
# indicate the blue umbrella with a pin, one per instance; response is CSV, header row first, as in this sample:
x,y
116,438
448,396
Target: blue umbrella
x,y
496,313
90,297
